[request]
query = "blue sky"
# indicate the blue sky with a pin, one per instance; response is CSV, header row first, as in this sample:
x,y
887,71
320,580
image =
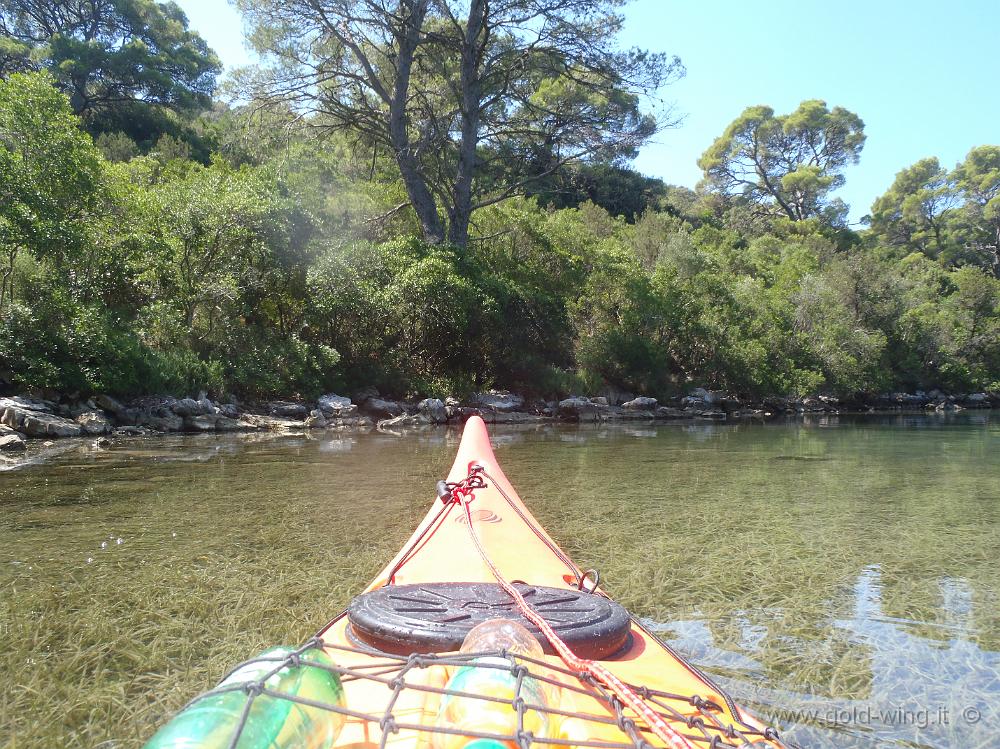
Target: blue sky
x,y
922,75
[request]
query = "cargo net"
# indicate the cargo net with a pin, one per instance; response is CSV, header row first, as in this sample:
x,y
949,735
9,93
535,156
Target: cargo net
x,y
388,685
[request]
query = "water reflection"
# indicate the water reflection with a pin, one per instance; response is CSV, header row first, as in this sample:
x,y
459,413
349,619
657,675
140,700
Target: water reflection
x,y
923,684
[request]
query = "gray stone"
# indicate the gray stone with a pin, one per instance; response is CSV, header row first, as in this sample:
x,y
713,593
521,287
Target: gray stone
x,y
288,410
514,417
336,404
811,404
73,410
346,422
131,430
382,408
615,396
709,414
640,404
102,443
709,397
169,422
461,413
227,424
579,408
201,423
188,407
229,410
498,400
270,423
23,403
35,423
12,442
452,401
405,421
665,412
93,422
434,409
618,413
109,404
730,404
316,420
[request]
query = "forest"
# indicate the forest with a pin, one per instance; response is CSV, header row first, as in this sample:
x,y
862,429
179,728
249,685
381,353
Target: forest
x,y
437,199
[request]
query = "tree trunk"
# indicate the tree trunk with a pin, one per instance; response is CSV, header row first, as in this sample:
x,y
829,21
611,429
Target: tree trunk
x,y
409,167
472,48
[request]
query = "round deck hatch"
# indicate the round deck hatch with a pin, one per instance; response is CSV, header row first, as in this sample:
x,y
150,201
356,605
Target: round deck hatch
x,y
435,617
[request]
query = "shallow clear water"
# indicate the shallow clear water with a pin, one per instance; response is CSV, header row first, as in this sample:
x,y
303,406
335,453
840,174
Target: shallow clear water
x,y
838,576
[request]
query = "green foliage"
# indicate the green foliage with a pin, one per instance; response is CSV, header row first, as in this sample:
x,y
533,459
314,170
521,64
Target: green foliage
x,y
50,176
262,272
953,216
112,57
787,164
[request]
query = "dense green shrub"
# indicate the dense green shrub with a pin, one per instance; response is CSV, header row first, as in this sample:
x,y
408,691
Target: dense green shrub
x,y
257,273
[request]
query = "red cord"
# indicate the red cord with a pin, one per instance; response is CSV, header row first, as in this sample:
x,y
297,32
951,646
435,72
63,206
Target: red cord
x,y
464,495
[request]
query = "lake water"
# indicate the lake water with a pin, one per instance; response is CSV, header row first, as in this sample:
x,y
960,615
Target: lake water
x,y
841,577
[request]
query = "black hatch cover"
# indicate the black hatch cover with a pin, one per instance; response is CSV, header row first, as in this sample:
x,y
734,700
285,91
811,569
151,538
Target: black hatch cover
x,y
435,617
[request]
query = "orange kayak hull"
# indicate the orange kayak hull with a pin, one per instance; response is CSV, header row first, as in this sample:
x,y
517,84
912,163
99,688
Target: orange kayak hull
x,y
442,550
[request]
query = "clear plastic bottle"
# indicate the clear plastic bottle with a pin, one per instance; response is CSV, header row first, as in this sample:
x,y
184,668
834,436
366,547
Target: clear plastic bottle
x,y
272,723
481,678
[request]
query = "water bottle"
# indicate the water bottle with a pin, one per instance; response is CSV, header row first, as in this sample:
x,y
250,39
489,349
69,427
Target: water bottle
x,y
212,720
480,678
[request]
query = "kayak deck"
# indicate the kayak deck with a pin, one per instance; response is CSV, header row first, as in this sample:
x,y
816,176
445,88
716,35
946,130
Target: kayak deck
x,y
393,700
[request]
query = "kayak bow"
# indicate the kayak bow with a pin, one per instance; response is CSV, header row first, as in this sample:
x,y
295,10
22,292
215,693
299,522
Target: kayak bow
x,y
476,552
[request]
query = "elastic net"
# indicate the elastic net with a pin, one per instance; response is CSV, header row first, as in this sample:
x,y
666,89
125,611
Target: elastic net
x,y
391,685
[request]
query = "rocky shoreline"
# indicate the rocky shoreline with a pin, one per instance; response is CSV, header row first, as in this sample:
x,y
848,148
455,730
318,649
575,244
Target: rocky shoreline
x,y
25,420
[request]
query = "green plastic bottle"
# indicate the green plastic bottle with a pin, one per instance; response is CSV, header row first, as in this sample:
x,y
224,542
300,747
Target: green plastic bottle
x,y
272,723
